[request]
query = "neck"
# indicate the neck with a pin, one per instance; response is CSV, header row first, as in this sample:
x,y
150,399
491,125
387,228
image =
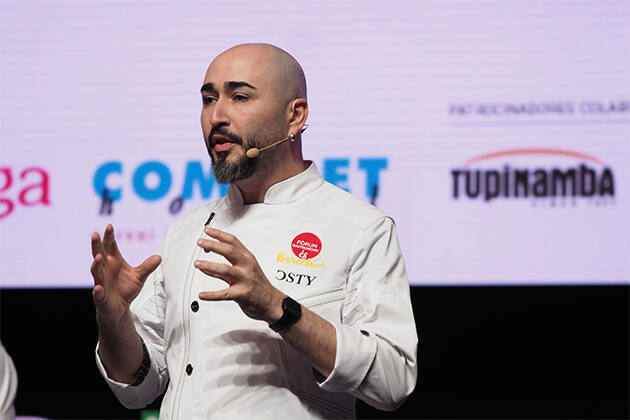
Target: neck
x,y
255,187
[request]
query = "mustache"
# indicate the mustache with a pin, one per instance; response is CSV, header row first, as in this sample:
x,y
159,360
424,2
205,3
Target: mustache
x,y
223,132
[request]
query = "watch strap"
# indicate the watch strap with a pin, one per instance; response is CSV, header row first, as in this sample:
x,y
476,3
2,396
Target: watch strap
x,y
291,313
144,366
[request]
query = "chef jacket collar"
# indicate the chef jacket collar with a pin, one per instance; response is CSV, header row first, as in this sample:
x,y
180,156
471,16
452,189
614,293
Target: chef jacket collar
x,y
291,189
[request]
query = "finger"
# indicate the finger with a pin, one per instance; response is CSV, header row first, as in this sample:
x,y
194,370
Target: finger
x,y
224,272
227,250
148,266
98,294
109,241
95,268
224,294
97,245
224,237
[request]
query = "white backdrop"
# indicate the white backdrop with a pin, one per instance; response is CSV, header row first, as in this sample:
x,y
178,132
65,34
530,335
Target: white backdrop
x,y
400,93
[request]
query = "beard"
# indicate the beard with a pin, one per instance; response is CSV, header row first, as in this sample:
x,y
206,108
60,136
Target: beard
x,y
229,172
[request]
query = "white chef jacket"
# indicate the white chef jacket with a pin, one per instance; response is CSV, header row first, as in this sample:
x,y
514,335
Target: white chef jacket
x,y
215,362
8,385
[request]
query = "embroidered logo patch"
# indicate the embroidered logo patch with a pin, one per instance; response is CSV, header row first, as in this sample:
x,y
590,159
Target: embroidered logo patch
x,y
306,246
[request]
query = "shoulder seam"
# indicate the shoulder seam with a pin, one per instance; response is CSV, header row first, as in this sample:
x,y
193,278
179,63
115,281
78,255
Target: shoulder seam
x,y
378,214
348,267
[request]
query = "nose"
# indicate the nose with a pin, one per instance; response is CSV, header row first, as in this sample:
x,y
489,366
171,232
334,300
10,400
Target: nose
x,y
218,113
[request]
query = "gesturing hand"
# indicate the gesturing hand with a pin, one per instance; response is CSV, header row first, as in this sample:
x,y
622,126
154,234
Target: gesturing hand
x,y
248,285
116,283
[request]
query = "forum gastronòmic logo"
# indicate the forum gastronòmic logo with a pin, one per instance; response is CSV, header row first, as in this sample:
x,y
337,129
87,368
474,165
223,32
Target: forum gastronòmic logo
x,y
556,176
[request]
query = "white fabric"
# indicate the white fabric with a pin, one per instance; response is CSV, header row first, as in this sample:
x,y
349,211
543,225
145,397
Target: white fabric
x,y
8,385
241,368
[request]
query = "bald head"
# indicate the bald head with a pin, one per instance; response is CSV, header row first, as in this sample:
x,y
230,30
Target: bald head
x,y
254,97
270,62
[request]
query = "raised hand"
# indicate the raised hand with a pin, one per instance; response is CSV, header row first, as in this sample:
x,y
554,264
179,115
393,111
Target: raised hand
x,y
312,336
248,285
116,283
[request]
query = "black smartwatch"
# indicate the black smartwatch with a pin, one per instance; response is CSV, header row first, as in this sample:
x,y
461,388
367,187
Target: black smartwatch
x,y
291,312
144,367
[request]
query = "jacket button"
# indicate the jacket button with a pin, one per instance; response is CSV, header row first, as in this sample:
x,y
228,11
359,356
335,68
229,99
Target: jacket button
x,y
194,306
189,369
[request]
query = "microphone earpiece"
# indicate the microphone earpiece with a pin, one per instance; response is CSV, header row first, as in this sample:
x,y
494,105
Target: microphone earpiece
x,y
253,152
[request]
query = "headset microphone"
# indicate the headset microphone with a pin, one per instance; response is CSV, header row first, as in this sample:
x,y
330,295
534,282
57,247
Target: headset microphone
x,y
253,152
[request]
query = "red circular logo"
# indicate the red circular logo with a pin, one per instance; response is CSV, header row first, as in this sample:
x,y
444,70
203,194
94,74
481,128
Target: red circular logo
x,y
306,246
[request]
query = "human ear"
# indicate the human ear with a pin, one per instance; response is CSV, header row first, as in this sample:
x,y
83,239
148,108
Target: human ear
x,y
298,116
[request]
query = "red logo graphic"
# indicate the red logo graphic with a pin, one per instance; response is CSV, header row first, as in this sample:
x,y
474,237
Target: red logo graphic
x,y
36,193
306,246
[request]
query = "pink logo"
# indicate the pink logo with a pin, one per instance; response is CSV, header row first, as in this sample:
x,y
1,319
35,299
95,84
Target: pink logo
x,y
33,191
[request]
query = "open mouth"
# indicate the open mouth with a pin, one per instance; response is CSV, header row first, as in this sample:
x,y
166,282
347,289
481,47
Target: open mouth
x,y
221,143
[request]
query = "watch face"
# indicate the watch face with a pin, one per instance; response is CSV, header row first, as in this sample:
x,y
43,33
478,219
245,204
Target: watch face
x,y
291,312
292,307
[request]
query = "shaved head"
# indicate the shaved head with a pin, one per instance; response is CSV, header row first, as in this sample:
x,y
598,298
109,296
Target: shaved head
x,y
285,72
254,95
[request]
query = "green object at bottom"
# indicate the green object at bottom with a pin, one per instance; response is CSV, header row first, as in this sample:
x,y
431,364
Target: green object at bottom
x,y
149,415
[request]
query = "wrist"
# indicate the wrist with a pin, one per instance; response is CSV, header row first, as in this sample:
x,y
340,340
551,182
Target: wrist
x,y
291,313
109,320
275,308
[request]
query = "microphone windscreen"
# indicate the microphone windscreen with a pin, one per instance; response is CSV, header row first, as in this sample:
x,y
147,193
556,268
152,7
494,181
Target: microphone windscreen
x,y
252,153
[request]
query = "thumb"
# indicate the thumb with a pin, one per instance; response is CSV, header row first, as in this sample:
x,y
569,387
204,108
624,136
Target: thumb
x,y
148,266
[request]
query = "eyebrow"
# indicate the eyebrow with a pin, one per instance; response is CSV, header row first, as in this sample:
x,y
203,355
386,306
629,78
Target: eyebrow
x,y
235,85
228,85
206,87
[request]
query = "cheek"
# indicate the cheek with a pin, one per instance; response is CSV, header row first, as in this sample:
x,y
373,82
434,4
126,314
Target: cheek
x,y
268,124
205,125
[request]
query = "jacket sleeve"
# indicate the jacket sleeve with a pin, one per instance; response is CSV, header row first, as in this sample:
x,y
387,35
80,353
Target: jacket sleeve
x,y
148,312
376,358
8,385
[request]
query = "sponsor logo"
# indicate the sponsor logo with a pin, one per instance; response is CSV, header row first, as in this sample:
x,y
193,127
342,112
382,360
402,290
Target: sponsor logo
x,y
155,181
152,181
295,278
336,172
306,246
282,257
31,187
589,178
540,108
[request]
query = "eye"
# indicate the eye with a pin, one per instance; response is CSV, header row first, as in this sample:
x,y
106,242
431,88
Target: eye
x,y
239,97
207,100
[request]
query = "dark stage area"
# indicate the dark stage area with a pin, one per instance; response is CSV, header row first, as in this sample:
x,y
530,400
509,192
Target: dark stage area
x,y
485,352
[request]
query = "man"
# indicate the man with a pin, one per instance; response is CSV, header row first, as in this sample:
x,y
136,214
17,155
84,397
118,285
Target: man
x,y
283,249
